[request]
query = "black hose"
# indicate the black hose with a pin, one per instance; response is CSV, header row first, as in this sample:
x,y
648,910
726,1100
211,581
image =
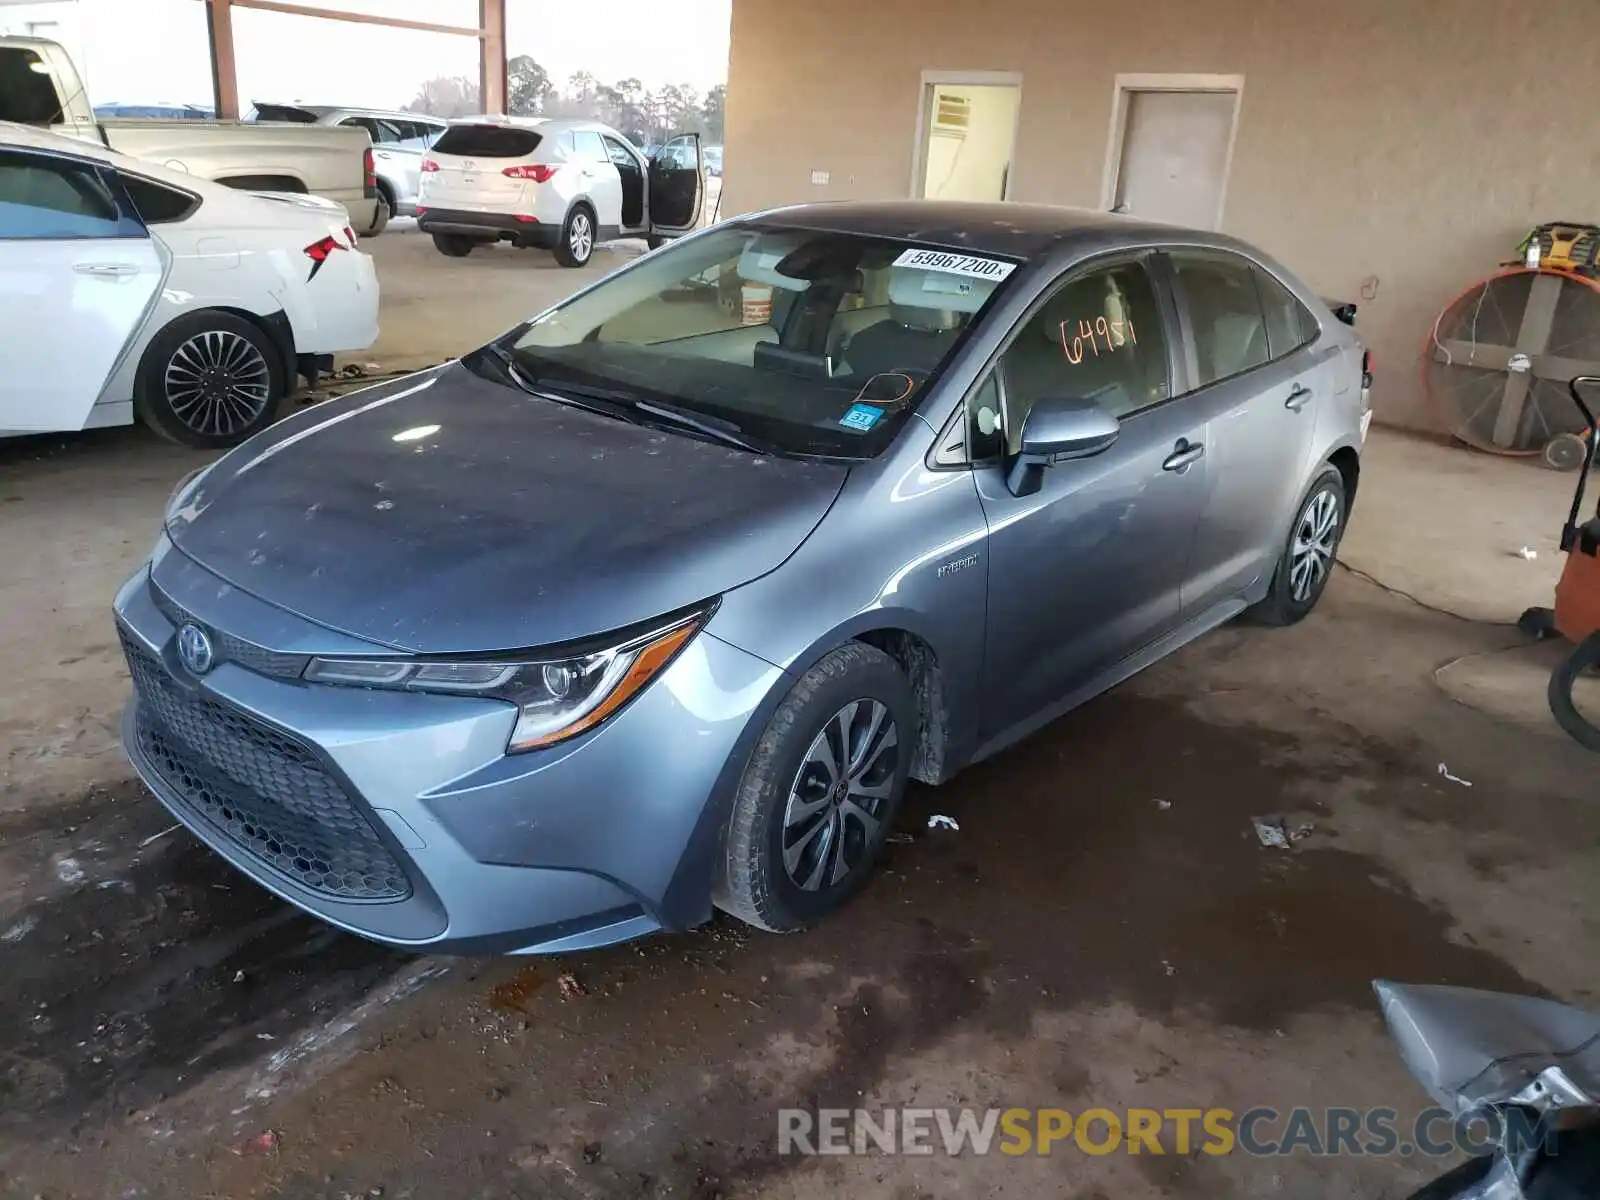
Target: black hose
x,y
1584,658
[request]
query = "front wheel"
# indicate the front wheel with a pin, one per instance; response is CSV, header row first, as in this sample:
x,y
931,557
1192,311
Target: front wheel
x,y
1307,561
576,246
210,379
817,798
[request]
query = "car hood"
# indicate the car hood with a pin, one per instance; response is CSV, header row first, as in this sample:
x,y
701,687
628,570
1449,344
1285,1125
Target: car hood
x,y
446,513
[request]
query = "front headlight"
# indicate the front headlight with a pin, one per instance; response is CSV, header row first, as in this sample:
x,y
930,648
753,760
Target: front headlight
x,y
557,698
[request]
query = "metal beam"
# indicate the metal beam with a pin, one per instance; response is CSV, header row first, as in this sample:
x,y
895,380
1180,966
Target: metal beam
x,y
224,75
334,14
493,88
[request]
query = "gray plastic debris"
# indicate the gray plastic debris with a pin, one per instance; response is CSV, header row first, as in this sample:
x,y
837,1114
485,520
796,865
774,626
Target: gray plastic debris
x,y
1270,832
940,821
1445,771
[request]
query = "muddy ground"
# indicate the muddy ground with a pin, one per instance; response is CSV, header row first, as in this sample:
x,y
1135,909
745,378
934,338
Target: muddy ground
x,y
1104,929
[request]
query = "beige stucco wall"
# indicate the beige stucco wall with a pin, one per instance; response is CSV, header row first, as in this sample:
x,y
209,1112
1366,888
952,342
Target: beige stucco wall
x,y
1414,141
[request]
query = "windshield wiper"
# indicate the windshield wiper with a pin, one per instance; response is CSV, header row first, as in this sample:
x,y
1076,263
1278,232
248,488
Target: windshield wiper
x,y
713,427
624,406
517,376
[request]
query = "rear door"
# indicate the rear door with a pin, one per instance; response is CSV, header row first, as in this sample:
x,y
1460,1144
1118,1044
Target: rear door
x,y
677,185
1256,382
78,273
599,179
470,163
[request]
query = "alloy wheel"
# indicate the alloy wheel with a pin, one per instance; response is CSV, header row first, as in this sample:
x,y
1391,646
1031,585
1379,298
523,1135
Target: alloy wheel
x,y
840,796
218,383
580,238
1316,537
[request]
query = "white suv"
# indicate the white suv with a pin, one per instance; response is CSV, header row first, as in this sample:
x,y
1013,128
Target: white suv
x,y
558,185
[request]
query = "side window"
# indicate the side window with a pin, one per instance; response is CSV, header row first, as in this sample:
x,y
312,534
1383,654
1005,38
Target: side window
x,y
985,439
156,203
620,155
565,146
1289,324
47,198
27,89
1230,332
677,155
1098,337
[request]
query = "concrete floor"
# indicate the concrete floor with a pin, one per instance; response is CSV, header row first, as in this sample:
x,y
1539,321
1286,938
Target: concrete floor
x,y
1076,943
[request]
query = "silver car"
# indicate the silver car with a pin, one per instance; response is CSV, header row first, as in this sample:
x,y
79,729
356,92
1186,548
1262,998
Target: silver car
x,y
657,602
398,140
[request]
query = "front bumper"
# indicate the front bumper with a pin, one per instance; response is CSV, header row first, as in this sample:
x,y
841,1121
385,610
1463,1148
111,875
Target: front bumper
x,y
398,816
485,225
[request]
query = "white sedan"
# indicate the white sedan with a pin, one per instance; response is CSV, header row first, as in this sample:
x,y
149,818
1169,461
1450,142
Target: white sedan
x,y
130,290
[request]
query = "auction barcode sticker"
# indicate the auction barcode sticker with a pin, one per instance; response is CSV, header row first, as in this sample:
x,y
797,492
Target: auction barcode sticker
x,y
974,267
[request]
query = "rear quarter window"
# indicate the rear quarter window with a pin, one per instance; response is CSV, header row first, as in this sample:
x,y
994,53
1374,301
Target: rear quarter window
x,y
156,203
487,141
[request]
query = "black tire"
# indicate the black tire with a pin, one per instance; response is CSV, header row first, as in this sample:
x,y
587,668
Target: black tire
x,y
755,885
1565,452
1537,623
185,404
1585,658
578,236
453,245
654,241
1454,1184
382,212
1282,605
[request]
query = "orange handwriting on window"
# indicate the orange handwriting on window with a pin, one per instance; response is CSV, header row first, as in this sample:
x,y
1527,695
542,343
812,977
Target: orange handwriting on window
x,y
1101,336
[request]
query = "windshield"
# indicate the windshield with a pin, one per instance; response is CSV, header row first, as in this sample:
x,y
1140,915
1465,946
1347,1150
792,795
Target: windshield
x,y
802,342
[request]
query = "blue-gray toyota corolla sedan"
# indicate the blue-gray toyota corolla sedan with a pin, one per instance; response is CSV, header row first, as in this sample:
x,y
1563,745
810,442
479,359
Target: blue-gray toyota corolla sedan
x,y
655,603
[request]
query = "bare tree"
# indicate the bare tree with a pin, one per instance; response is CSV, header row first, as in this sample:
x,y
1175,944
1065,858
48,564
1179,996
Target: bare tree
x,y
447,96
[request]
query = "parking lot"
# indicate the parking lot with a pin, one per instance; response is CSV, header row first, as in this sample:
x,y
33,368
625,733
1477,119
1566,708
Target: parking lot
x,y
1103,928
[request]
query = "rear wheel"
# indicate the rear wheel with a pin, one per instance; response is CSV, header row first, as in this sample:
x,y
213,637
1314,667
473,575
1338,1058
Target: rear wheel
x,y
210,379
382,211
453,245
1308,558
817,798
576,246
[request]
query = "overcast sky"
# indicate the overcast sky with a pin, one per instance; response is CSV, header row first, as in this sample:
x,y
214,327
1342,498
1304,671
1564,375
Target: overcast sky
x,y
155,50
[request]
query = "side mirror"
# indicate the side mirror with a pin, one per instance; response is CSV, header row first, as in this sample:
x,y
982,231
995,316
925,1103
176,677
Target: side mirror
x,y
1056,430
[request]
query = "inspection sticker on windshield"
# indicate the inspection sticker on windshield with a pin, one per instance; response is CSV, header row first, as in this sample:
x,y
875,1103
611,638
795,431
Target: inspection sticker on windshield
x,y
969,265
861,417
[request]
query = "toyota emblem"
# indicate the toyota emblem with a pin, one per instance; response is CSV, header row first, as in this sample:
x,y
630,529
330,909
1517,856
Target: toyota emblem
x,y
194,649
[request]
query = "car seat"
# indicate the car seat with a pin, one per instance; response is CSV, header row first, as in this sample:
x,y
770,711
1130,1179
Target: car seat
x,y
928,310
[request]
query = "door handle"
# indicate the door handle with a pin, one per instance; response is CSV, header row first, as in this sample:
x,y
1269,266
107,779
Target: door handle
x,y
1186,452
106,270
1299,398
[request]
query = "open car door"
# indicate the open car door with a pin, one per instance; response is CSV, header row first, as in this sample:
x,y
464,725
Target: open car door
x,y
78,273
677,186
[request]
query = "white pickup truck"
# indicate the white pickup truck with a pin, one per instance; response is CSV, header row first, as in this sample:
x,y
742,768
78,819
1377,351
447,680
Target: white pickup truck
x,y
40,86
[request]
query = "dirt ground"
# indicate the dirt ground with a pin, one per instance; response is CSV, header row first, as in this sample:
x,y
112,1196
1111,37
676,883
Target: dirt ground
x,y
1103,929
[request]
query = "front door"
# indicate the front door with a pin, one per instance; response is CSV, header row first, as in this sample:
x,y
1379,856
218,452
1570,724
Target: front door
x,y
1175,156
78,273
1258,385
677,185
1090,568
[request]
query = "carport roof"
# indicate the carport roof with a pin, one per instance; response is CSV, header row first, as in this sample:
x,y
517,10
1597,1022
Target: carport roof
x,y
1009,229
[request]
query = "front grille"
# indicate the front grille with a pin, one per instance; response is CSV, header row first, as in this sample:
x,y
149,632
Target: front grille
x,y
266,792
233,649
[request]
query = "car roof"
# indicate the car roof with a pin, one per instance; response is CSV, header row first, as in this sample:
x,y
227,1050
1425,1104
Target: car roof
x,y
545,124
1007,228
323,110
